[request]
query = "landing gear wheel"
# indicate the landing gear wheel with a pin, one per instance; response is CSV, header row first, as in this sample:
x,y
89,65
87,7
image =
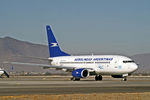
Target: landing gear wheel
x,y
125,79
75,79
72,78
98,77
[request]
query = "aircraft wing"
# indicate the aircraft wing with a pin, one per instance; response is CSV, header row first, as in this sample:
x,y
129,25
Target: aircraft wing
x,y
46,66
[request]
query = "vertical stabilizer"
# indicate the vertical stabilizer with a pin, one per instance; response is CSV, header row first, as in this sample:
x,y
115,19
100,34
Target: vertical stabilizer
x,y
54,49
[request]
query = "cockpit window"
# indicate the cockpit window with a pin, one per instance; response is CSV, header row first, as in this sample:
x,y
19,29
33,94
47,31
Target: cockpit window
x,y
128,61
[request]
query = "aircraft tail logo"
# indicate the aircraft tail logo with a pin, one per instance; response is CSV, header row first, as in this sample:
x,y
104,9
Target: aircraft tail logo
x,y
54,44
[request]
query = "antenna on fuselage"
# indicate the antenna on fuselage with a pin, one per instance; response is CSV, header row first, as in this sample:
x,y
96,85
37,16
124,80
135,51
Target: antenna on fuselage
x,y
92,54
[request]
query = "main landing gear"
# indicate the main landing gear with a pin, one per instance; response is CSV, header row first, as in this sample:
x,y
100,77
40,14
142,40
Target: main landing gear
x,y
75,79
98,77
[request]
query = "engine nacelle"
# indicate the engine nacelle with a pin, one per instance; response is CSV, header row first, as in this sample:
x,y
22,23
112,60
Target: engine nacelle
x,y
80,73
117,76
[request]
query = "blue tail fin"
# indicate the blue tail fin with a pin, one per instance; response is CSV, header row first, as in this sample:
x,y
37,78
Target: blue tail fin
x,y
54,50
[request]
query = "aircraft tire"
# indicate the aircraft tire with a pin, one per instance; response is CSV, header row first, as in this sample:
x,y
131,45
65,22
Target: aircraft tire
x,y
125,79
75,79
98,77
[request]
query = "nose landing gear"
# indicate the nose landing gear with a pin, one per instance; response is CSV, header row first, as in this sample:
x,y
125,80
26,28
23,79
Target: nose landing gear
x,y
124,79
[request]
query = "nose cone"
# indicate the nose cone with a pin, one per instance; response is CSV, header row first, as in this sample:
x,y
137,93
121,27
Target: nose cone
x,y
134,67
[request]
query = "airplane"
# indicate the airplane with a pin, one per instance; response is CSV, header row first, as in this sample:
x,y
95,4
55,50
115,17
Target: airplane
x,y
83,66
2,71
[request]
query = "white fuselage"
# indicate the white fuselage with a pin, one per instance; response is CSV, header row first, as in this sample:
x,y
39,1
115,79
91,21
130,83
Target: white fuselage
x,y
101,64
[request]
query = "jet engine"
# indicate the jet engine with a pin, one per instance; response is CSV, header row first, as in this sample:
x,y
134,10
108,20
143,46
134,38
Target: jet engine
x,y
80,73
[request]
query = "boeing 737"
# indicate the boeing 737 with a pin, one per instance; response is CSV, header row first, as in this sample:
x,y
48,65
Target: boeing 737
x,y
83,66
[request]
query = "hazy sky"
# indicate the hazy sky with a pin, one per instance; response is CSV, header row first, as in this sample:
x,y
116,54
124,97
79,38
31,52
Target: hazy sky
x,y
80,26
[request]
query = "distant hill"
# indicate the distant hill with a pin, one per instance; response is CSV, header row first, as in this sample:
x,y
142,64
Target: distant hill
x,y
144,62
15,50
13,47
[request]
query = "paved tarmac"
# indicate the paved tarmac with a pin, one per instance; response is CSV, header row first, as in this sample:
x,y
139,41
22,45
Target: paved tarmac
x,y
63,85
